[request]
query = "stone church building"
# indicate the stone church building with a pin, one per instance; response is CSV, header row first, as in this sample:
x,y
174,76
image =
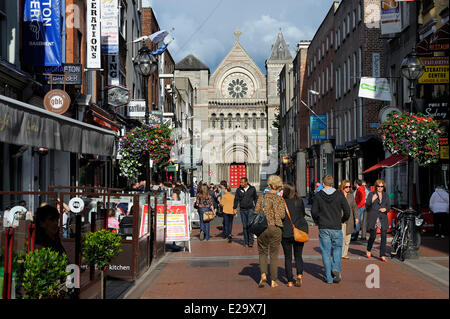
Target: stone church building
x,y
233,121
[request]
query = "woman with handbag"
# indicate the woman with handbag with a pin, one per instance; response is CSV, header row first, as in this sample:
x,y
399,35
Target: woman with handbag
x,y
269,240
205,207
377,206
349,226
295,209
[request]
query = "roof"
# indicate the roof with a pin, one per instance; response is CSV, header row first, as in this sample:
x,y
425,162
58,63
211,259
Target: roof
x,y
191,63
280,50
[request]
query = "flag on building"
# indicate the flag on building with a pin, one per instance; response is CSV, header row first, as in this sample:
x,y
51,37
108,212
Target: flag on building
x,y
375,88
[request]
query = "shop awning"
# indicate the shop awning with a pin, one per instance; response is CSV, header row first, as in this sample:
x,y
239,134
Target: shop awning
x,y
440,39
388,162
25,124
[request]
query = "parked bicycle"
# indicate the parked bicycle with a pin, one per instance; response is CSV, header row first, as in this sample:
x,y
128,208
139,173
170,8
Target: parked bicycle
x,y
406,229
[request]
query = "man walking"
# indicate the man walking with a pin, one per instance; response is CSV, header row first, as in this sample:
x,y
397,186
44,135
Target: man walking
x,y
245,199
329,210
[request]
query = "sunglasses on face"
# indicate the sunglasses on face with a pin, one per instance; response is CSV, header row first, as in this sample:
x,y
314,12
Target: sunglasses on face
x,y
347,187
380,186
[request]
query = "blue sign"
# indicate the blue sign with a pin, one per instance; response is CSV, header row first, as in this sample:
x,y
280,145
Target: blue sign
x,y
42,32
318,127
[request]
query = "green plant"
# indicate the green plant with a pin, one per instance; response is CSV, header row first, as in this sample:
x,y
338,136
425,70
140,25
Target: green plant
x,y
148,141
415,135
44,274
100,248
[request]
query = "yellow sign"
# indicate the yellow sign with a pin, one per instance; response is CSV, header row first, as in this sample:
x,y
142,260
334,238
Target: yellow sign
x,y
443,152
436,70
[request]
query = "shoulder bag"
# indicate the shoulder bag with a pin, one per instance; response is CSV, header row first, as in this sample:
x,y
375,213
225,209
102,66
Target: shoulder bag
x,y
258,222
299,235
208,216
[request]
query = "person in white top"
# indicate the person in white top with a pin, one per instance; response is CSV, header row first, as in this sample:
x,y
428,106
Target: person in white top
x,y
439,207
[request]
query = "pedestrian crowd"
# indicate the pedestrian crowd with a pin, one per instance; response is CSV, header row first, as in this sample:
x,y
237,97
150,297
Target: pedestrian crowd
x,y
341,215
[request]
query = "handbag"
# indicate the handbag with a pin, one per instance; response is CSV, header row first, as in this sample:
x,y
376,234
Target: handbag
x,y
258,222
208,216
299,235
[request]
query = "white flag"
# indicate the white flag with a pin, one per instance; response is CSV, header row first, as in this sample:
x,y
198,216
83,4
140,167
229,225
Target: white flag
x,y
375,88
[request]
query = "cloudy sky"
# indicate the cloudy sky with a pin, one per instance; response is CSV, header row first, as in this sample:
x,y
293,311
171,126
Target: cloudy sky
x,y
206,28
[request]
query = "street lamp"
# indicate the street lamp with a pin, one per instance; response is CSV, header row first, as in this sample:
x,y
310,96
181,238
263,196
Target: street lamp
x,y
145,64
412,69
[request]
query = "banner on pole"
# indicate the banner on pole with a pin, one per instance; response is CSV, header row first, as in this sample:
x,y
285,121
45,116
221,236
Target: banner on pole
x,y
42,32
375,88
318,127
110,27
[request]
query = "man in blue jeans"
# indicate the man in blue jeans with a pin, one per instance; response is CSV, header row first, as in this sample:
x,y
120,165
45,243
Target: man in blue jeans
x,y
329,210
245,199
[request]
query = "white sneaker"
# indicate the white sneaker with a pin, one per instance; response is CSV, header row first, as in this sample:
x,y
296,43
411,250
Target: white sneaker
x,y
442,236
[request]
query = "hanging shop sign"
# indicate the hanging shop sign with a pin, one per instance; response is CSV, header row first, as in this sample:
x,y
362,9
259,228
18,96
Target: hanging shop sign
x,y
318,127
391,17
436,70
117,95
72,72
110,26
76,205
113,69
375,88
57,101
93,34
438,110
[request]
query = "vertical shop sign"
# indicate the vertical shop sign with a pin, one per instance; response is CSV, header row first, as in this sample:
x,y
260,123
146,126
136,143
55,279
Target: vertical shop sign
x,y
42,32
93,34
391,21
113,69
110,27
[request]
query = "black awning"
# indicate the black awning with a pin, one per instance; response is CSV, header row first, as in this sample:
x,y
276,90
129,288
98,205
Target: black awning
x,y
25,124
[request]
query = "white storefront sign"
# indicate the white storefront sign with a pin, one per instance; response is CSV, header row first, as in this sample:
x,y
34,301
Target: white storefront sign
x,y
93,47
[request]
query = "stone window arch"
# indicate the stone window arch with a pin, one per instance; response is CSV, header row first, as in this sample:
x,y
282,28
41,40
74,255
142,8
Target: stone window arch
x,y
254,116
230,120
263,116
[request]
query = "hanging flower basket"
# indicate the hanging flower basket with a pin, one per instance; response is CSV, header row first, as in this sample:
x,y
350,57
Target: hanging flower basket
x,y
141,143
415,135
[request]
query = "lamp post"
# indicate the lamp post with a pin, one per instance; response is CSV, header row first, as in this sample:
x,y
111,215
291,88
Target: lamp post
x,y
145,64
412,69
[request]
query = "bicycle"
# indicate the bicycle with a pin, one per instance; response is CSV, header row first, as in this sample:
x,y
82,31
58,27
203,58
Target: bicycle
x,y
406,228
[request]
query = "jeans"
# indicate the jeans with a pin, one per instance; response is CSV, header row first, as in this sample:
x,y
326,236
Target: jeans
x,y
204,227
331,247
288,244
246,214
228,224
358,225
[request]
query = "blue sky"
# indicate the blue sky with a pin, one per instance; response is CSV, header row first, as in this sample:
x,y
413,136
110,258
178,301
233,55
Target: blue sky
x,y
258,20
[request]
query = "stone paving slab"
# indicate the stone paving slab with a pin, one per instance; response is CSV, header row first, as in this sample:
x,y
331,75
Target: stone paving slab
x,y
217,269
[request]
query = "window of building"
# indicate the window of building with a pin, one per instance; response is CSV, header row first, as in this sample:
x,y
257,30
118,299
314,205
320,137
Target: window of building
x,y
354,19
3,30
262,120
360,11
323,49
345,78
348,74
230,120
331,76
213,120
327,43
222,118
348,23
337,83
360,64
355,118
354,69
361,105
326,81
344,27
319,56
254,120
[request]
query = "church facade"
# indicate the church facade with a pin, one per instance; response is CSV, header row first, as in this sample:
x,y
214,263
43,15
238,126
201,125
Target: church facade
x,y
234,134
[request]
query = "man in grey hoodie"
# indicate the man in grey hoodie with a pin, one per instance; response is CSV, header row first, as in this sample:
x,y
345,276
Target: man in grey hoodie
x,y
329,210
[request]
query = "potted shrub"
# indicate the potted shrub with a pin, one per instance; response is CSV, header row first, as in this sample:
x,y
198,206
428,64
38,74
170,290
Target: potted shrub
x,y
44,274
99,248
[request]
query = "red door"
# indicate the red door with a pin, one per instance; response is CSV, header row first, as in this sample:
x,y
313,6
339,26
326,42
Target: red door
x,y
236,172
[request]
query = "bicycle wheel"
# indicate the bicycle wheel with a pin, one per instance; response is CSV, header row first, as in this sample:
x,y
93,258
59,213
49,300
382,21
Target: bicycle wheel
x,y
417,240
404,244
